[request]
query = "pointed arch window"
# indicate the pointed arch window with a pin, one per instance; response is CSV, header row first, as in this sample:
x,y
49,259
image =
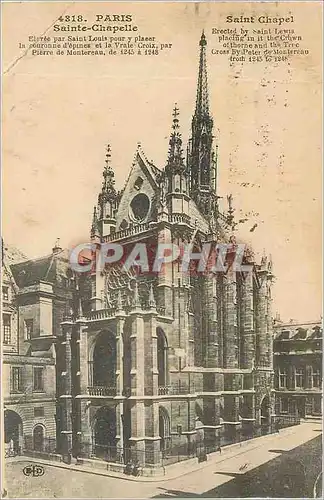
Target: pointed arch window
x,y
162,358
177,183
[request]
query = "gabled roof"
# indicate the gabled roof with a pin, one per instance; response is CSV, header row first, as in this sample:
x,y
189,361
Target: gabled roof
x,y
153,171
148,174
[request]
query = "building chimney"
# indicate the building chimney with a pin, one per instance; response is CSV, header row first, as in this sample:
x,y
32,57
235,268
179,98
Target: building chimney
x,y
56,248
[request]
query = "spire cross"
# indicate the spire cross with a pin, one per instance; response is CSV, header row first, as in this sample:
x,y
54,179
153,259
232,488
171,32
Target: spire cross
x,y
175,115
175,142
108,183
108,156
108,169
203,40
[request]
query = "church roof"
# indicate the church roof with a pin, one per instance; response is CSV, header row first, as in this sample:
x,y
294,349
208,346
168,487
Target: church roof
x,y
152,169
10,255
42,269
13,254
155,171
197,217
298,331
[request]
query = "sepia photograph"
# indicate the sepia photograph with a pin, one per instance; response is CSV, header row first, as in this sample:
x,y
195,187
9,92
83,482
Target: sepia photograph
x,y
161,298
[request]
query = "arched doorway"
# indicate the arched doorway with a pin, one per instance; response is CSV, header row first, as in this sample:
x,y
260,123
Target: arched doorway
x,y
162,358
104,361
164,430
265,413
13,433
105,432
38,438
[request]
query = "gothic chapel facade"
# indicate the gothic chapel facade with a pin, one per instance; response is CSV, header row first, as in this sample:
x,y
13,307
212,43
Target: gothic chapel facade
x,y
156,356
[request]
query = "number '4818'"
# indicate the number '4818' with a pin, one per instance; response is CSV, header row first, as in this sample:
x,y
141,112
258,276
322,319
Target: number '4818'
x,y
69,19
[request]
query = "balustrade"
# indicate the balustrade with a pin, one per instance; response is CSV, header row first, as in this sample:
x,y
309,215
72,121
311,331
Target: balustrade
x,y
102,390
179,218
101,314
124,233
163,390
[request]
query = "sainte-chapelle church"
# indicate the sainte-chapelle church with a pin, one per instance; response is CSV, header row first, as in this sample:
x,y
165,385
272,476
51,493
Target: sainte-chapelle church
x,y
150,365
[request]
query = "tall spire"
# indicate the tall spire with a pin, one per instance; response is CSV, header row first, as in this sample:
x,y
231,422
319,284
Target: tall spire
x,y
201,157
136,298
175,156
202,101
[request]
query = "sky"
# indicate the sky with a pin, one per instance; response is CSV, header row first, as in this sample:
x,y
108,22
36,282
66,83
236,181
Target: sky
x,y
59,113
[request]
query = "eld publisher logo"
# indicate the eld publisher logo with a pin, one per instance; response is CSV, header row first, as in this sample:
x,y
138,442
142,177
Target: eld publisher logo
x,y
33,470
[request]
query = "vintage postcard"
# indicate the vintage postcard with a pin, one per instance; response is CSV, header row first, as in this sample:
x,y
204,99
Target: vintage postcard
x,y
161,299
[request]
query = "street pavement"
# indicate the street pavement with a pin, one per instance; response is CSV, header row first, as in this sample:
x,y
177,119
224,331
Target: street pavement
x,y
282,465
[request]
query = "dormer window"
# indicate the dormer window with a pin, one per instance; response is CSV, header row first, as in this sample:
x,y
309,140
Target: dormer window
x,y
317,332
284,335
300,334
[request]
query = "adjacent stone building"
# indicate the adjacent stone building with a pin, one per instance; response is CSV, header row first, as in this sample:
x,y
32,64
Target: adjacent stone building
x,y
34,298
298,351
162,357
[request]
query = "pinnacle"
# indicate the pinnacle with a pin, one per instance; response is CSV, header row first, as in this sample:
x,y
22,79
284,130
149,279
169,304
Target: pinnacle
x,y
175,115
152,303
108,155
136,299
94,220
203,40
108,173
175,156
